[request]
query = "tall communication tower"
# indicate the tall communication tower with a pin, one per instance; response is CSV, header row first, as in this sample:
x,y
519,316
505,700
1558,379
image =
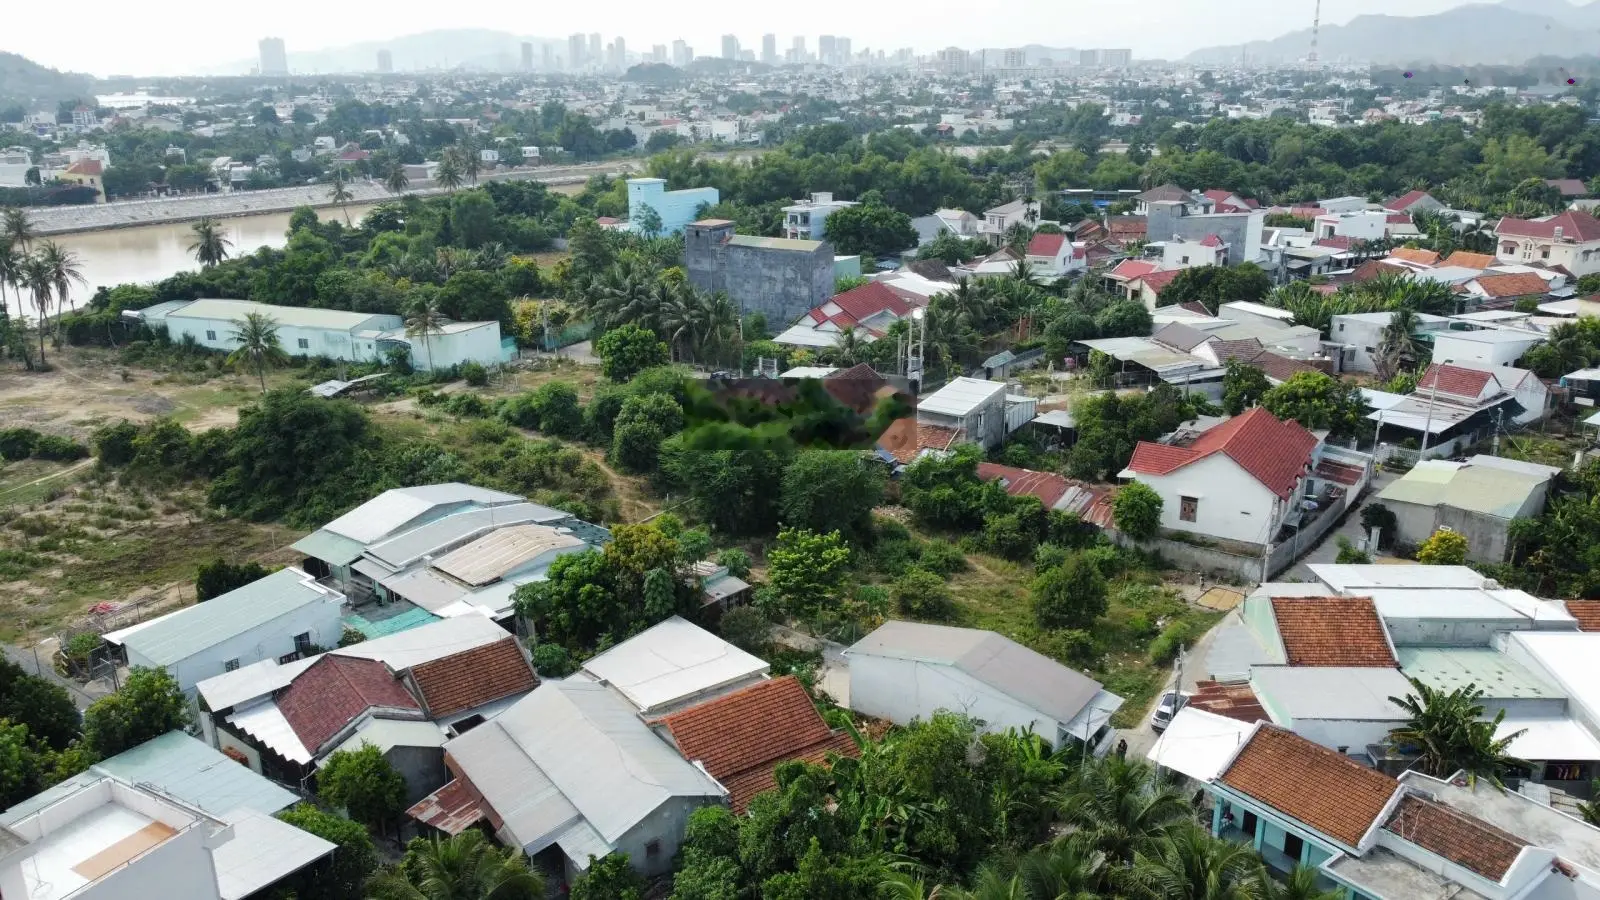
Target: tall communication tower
x,y
1316,25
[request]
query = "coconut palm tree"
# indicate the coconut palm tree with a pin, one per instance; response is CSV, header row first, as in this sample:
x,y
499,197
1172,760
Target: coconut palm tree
x,y
36,277
257,337
210,246
1070,868
1122,805
1449,732
1398,346
425,319
448,174
1299,884
339,192
10,272
471,164
64,268
18,228
463,867
395,179
1187,863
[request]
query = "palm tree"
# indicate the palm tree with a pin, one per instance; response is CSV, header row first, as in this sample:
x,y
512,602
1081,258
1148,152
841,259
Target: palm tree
x,y
395,180
1068,869
10,272
339,192
209,247
993,882
448,174
257,337
1398,346
1299,884
1187,863
470,162
18,228
1448,730
1122,805
36,277
64,269
425,319
464,867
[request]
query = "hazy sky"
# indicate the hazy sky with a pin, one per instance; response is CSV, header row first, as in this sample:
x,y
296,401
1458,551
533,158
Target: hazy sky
x,y
186,35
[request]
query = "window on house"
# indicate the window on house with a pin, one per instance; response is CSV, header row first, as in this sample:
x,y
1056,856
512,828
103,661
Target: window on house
x,y
287,658
1341,326
230,665
302,642
1247,823
1545,253
211,335
465,725
1188,507
303,343
1186,260
1293,846
652,849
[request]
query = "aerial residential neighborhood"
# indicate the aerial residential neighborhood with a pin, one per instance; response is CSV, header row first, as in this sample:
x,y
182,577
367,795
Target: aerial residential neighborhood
x,y
1051,455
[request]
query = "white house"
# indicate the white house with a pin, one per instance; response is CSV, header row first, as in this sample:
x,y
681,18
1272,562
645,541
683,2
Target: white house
x,y
1570,240
1237,481
331,333
972,406
281,617
1053,255
1208,251
1364,225
996,221
1486,347
807,219
1362,333
957,222
905,671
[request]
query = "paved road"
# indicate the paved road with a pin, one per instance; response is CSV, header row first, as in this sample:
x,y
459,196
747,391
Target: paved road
x,y
1140,737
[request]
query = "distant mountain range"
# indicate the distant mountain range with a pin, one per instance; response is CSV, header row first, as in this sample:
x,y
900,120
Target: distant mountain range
x,y
457,48
25,82
1509,33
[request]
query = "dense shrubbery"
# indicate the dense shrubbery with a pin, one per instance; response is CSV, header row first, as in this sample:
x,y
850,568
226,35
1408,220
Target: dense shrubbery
x,y
25,443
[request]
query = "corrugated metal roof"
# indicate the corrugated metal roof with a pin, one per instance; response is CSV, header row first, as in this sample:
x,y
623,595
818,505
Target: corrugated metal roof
x,y
490,557
1028,676
377,628
529,804
194,629
961,396
392,510
1490,490
670,662
293,316
428,642
176,764
333,549
265,722
1331,692
389,733
446,532
1500,676
263,851
426,588
1353,577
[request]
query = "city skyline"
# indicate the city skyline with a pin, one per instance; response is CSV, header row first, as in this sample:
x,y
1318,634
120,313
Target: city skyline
x,y
119,43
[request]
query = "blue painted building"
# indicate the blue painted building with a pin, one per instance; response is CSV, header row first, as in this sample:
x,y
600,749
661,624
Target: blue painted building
x,y
676,208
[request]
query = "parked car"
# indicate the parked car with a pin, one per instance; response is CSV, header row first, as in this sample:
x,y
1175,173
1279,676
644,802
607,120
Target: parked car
x,y
1170,703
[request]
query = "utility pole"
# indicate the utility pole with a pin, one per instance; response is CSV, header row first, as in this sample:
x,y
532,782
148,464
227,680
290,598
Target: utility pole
x,y
1499,422
1433,397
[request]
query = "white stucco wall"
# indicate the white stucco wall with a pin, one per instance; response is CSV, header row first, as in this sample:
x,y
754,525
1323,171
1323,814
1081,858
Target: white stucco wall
x,y
1354,735
1447,346
267,641
333,343
1232,504
902,690
480,345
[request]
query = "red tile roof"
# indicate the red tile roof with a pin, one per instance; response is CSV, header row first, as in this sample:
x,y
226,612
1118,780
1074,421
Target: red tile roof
x,y
1465,840
334,691
1418,256
905,438
1211,240
1336,241
742,736
869,300
91,167
1569,187
1130,269
1575,225
1274,452
1332,631
1468,260
1046,244
1126,227
1397,219
1457,380
1326,790
1514,284
1372,268
1157,281
1405,201
1047,486
473,677
1587,612
1339,472
857,372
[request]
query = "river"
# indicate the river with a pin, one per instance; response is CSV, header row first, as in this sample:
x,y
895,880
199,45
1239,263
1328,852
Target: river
x,y
148,253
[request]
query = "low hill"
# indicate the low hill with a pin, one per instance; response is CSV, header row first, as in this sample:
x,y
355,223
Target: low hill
x,y
25,83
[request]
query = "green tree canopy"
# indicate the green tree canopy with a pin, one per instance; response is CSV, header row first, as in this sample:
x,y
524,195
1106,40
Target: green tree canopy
x,y
149,705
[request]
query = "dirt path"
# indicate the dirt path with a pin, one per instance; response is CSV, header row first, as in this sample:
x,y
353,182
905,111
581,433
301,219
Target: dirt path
x,y
67,471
